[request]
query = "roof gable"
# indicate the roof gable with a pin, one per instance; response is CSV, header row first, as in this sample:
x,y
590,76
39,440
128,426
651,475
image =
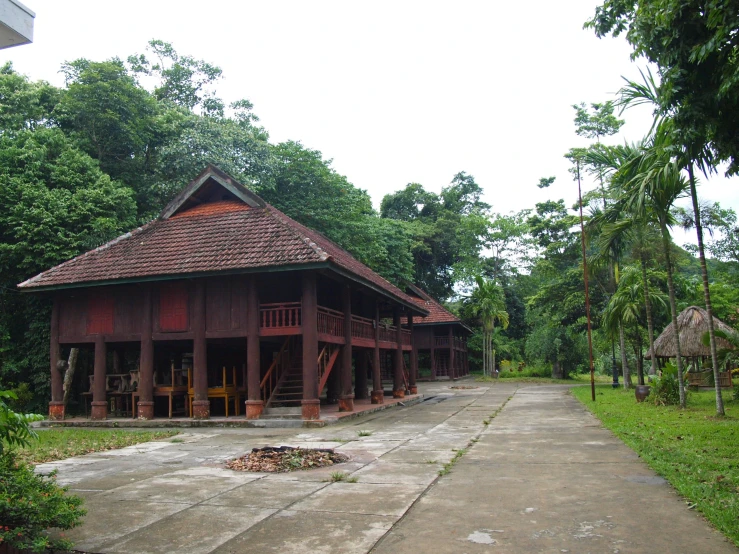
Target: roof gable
x,y
212,185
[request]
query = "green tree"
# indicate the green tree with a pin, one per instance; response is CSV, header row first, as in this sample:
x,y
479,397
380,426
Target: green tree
x,y
488,304
652,192
694,45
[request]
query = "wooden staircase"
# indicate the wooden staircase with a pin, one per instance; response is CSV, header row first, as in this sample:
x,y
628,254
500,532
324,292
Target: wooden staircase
x,y
282,385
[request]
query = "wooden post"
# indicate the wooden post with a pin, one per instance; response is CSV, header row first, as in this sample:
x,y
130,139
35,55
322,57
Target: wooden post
x,y
398,386
311,405
346,396
378,395
452,373
56,406
433,355
146,361
360,375
254,402
99,401
413,371
200,404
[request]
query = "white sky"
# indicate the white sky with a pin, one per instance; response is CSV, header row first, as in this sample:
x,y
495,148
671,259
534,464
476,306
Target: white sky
x,y
394,92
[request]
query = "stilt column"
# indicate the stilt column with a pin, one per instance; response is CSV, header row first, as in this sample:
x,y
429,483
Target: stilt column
x,y
254,402
413,371
56,406
146,361
311,405
99,402
398,385
452,373
346,396
378,395
360,375
200,404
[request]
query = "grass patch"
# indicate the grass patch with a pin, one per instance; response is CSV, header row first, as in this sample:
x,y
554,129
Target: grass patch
x,y
341,477
177,441
458,454
693,449
364,433
57,444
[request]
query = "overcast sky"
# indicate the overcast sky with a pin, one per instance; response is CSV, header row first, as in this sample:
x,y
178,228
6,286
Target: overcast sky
x,y
393,92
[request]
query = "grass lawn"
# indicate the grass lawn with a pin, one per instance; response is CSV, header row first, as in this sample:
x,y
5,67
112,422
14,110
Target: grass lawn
x,y
697,452
57,444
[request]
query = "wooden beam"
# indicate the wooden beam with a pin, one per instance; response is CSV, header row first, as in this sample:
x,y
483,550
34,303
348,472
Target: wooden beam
x,y
346,395
398,381
200,404
146,361
254,402
310,403
99,401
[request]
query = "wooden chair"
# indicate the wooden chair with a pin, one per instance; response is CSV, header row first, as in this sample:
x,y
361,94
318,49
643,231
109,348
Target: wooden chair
x,y
176,387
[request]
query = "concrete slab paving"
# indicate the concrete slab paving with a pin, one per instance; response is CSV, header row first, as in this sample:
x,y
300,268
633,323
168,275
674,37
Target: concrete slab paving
x,y
543,476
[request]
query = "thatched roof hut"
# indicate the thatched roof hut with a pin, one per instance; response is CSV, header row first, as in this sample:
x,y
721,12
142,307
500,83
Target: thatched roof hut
x,y
693,324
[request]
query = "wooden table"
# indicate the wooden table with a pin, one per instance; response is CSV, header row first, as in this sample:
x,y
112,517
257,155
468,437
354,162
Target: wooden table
x,y
162,390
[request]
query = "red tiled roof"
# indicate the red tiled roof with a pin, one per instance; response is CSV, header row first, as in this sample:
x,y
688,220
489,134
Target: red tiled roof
x,y
438,314
226,235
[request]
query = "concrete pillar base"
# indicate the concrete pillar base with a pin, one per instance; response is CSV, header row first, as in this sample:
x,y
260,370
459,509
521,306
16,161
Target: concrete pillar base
x,y
346,403
413,389
99,410
400,393
146,409
201,409
56,410
378,396
311,409
254,409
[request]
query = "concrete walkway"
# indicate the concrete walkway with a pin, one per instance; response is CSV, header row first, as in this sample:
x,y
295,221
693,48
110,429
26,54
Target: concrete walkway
x,y
541,477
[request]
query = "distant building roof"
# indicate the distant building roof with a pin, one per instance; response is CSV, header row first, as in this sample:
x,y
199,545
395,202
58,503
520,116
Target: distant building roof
x,y
215,225
438,314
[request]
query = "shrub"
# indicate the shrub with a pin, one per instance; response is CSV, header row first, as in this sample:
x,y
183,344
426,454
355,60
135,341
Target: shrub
x,y
666,389
30,504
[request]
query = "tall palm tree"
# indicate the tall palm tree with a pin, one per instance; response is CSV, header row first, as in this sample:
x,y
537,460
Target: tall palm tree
x,y
651,193
626,306
688,155
488,303
618,230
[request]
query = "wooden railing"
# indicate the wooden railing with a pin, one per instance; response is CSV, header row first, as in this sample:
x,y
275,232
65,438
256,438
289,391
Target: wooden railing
x,y
363,328
326,361
330,322
280,315
279,366
387,333
443,342
405,336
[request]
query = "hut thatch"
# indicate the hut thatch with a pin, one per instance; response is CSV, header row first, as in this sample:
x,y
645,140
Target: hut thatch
x,y
693,324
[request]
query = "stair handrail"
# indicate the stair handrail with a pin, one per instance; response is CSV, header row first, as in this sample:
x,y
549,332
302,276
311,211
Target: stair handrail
x,y
326,360
275,370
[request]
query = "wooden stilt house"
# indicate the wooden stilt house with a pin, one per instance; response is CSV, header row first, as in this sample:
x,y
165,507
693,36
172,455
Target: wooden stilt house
x,y
224,301
439,339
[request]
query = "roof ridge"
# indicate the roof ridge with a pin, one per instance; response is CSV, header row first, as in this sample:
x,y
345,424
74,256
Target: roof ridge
x,y
100,248
287,222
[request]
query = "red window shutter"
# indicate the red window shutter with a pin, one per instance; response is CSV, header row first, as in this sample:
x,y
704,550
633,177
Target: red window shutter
x,y
100,313
173,312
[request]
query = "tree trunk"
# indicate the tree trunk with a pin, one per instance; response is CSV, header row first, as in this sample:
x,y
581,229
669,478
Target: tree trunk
x,y
69,375
556,370
492,351
706,290
484,354
650,322
673,311
624,362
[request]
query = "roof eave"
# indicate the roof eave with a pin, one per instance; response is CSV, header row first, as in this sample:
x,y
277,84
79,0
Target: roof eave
x,y
414,308
175,276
